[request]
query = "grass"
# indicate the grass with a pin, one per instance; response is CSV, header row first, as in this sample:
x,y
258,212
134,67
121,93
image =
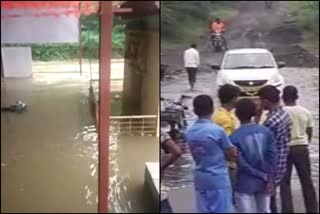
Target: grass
x,y
193,28
306,15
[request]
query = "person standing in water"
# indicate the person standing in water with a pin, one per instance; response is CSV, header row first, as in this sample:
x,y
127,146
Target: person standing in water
x,y
210,146
191,59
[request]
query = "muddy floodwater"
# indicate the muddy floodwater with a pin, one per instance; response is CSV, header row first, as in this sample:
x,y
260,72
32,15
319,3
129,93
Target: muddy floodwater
x,y
49,152
307,82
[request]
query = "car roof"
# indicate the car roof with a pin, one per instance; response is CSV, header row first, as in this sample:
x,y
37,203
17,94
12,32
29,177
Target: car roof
x,y
247,50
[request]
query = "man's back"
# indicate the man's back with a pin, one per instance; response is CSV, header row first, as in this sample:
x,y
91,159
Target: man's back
x,y
301,120
255,145
191,58
279,122
207,143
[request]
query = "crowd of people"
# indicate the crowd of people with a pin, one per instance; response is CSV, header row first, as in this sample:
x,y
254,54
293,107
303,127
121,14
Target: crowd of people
x,y
241,161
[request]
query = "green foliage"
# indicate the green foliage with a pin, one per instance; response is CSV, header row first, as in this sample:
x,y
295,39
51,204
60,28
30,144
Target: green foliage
x,y
306,13
90,42
47,52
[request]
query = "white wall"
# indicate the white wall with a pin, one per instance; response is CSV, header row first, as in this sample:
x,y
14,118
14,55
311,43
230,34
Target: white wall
x,y
44,29
17,62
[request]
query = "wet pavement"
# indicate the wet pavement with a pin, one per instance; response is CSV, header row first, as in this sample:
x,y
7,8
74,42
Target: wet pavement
x,y
305,79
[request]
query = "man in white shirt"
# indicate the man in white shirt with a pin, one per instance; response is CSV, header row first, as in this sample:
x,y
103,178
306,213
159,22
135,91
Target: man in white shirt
x,y
301,135
191,61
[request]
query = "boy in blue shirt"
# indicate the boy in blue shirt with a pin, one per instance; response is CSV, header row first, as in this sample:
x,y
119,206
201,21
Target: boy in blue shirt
x,y
209,145
256,161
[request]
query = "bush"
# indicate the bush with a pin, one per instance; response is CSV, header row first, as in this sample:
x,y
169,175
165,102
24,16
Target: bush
x,y
306,14
90,43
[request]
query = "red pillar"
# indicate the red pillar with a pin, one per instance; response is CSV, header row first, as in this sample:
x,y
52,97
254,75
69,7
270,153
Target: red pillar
x,y
80,45
106,17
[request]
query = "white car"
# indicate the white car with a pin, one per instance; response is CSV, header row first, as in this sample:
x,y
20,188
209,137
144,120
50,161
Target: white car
x,y
250,69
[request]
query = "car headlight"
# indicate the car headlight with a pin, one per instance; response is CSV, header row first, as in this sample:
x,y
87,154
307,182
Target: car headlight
x,y
276,80
223,79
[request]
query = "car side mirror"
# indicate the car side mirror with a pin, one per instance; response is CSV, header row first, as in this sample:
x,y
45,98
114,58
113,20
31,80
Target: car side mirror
x,y
215,67
281,64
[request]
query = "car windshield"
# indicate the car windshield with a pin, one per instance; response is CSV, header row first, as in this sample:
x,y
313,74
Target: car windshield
x,y
243,61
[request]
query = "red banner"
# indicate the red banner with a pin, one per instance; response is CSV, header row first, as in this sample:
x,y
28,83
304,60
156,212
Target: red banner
x,y
11,9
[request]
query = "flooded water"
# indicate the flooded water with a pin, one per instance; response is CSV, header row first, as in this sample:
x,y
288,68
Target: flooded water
x,y
49,152
305,79
127,165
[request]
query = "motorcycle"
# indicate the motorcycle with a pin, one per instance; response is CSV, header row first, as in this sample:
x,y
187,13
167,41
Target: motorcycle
x,y
17,108
218,42
173,118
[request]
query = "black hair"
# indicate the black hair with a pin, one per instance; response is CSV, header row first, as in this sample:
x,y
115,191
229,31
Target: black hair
x,y
203,105
270,93
218,19
290,94
228,92
193,45
245,109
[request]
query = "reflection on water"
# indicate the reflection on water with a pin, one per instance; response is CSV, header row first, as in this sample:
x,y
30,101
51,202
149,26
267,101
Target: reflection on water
x,y
49,153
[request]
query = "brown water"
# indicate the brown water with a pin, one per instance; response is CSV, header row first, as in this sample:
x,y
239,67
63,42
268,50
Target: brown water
x,y
49,153
127,165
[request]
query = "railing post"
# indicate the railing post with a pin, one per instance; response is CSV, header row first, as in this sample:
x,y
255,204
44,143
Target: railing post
x,y
142,127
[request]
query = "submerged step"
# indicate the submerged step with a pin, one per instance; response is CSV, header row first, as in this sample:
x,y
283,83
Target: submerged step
x,y
152,179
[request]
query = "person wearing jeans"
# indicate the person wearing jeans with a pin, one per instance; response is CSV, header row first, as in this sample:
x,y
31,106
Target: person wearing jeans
x,y
298,154
256,161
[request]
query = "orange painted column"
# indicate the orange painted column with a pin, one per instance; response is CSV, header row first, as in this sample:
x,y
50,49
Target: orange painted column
x,y
106,17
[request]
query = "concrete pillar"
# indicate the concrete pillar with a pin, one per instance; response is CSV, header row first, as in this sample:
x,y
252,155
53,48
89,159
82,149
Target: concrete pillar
x,y
134,68
151,78
141,69
2,73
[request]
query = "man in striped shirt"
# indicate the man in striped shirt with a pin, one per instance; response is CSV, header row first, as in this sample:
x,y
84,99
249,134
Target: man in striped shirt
x,y
279,122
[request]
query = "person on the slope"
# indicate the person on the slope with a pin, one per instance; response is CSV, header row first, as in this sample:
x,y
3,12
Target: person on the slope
x,y
218,27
